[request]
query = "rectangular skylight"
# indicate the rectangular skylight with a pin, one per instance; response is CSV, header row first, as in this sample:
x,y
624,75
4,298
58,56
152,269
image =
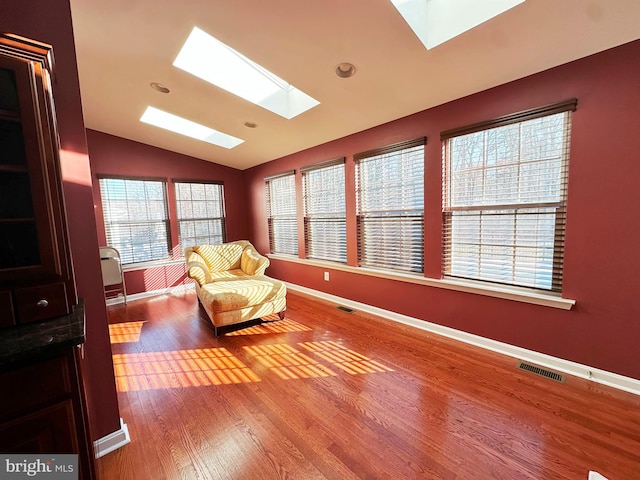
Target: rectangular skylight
x,y
169,121
211,60
437,21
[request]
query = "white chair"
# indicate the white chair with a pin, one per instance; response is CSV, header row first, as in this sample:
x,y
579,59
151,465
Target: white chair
x,y
112,275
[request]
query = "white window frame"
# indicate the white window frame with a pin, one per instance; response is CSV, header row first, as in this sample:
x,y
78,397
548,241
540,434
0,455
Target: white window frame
x,y
198,215
475,231
325,220
136,217
282,214
390,206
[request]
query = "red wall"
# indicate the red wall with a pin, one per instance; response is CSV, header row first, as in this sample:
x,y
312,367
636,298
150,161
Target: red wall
x,y
602,261
112,155
49,21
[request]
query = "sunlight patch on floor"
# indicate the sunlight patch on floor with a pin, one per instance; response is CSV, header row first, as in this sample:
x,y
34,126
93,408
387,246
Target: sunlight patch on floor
x,y
179,369
345,359
127,332
280,326
287,362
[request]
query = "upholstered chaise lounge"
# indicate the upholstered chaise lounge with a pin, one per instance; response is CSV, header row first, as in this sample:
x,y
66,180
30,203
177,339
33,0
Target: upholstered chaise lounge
x,y
231,284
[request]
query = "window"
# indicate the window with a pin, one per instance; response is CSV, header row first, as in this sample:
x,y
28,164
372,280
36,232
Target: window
x,y
213,61
182,126
282,213
135,218
505,188
200,209
390,206
437,21
325,224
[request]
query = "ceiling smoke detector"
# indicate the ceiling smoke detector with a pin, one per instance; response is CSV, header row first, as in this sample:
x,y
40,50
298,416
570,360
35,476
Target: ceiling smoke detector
x,y
345,70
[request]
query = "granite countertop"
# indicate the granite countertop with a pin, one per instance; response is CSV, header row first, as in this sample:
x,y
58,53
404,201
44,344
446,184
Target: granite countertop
x,y
34,341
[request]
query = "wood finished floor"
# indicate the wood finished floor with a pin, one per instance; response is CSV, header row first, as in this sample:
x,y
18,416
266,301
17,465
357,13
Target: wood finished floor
x,y
331,395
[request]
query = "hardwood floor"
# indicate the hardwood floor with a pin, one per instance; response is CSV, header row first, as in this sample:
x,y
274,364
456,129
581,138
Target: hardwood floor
x,y
327,394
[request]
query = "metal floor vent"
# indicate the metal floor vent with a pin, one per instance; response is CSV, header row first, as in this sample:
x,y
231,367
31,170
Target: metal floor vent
x,y
541,371
344,309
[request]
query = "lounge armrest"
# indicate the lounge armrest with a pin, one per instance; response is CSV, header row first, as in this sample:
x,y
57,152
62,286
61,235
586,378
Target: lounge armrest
x,y
197,268
252,263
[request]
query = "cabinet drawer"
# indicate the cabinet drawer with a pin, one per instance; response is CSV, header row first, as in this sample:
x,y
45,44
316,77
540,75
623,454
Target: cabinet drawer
x,y
41,302
6,310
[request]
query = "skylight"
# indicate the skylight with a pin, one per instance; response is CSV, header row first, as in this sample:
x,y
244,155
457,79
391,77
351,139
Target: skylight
x,y
168,121
437,21
211,60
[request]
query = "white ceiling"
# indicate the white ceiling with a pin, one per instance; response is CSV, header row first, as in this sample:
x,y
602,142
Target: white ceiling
x,y
124,45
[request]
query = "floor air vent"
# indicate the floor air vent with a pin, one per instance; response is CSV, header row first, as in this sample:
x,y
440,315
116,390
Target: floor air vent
x,y
344,309
541,371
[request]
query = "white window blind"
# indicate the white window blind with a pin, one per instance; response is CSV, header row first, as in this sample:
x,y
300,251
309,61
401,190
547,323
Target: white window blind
x,y
325,224
282,213
200,210
135,218
390,206
504,198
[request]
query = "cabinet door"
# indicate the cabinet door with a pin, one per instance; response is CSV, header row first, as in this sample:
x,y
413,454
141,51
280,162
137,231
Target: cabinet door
x,y
50,430
7,317
28,247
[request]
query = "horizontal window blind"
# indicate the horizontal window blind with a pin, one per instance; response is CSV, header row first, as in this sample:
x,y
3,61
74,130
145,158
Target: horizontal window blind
x,y
136,218
282,213
201,215
325,224
390,207
504,199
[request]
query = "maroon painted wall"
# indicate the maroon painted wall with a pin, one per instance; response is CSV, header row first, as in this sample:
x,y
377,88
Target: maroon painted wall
x,y
49,21
602,261
111,155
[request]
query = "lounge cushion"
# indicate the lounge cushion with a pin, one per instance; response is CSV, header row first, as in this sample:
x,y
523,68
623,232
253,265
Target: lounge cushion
x,y
240,292
221,257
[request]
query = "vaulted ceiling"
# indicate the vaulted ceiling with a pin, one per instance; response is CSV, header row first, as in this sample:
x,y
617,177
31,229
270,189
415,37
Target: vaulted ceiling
x,y
125,45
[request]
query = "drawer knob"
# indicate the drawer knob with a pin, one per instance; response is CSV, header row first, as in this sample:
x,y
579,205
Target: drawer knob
x,y
42,303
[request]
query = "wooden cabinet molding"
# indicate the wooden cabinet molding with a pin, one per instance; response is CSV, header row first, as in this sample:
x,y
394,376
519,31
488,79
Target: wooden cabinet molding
x,y
36,273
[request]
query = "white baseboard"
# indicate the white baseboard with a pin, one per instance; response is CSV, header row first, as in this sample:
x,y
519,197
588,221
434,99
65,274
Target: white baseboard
x,y
604,377
152,293
113,441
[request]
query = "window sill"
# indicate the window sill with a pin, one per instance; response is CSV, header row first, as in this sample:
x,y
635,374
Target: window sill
x,y
508,293
132,267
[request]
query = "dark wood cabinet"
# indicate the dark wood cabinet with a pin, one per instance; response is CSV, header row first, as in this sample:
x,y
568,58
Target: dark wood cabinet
x,y
42,404
47,430
46,412
36,276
